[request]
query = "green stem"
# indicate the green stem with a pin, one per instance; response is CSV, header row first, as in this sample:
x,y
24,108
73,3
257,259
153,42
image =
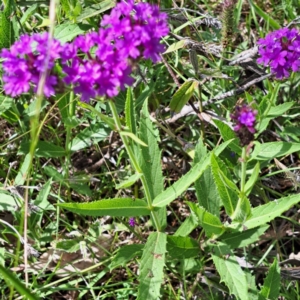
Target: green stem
x,y
243,170
134,162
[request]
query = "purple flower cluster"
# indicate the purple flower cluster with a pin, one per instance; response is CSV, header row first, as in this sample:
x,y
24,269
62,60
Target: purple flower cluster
x,y
245,118
95,64
280,50
131,222
24,62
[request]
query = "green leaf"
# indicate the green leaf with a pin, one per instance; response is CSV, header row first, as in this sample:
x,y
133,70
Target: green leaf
x,y
125,254
67,32
211,223
183,95
43,149
227,190
268,151
117,207
265,213
189,224
228,134
149,158
230,271
206,189
7,20
90,135
265,16
5,103
129,182
242,239
7,202
272,283
180,247
175,46
130,116
22,174
133,137
96,9
109,121
181,185
151,267
279,110
15,282
243,209
252,180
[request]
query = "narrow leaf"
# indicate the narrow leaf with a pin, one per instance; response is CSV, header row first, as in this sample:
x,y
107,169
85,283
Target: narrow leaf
x,y
129,182
182,184
117,207
265,213
43,149
130,116
189,224
151,267
133,137
268,151
242,239
183,95
227,189
15,282
253,178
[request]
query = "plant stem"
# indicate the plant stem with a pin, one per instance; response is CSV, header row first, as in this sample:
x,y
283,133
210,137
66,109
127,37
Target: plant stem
x,y
243,170
134,162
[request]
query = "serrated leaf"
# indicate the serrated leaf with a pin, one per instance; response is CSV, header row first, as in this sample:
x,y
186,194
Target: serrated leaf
x,y
183,95
5,103
180,247
43,149
268,151
265,213
227,189
117,207
129,182
206,190
271,287
227,134
243,209
125,254
210,223
150,159
151,266
230,271
242,239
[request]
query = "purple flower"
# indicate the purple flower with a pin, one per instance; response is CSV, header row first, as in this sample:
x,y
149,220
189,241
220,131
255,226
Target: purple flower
x,y
25,62
280,50
244,118
131,222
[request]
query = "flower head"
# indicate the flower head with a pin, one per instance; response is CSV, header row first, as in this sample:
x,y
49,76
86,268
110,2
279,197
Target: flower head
x,y
131,222
24,63
245,118
280,50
